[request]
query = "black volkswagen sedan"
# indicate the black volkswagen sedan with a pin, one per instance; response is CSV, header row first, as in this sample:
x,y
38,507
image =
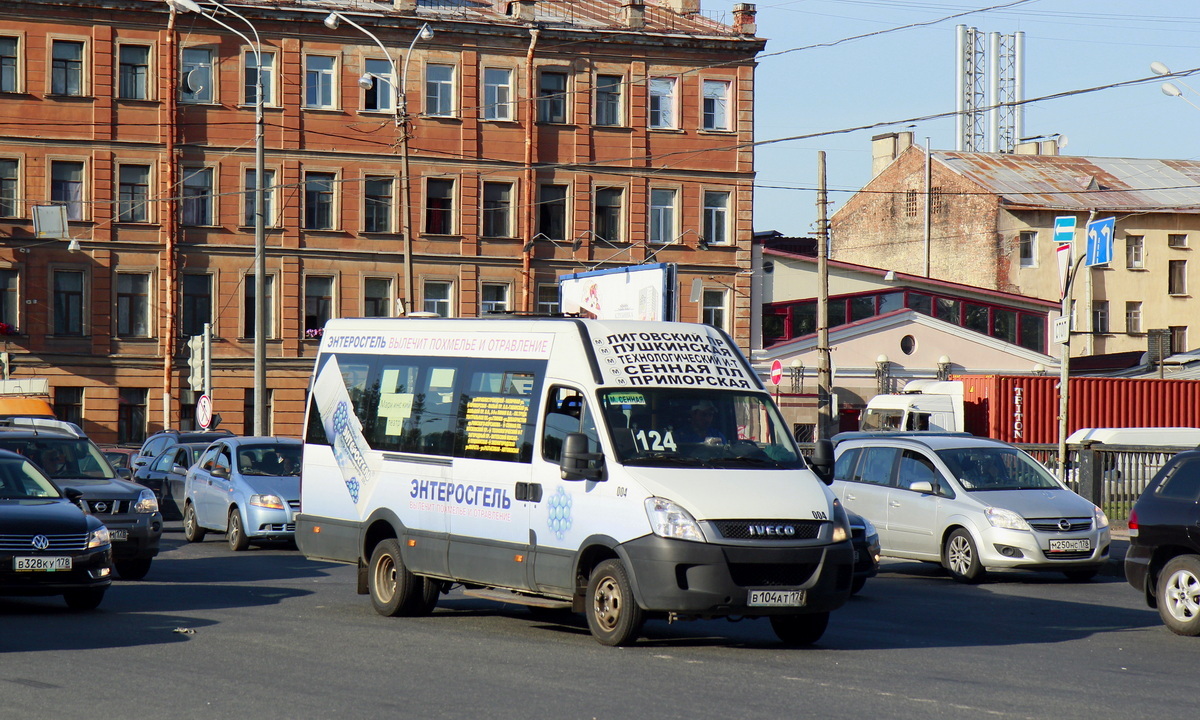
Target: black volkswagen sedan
x,y
48,546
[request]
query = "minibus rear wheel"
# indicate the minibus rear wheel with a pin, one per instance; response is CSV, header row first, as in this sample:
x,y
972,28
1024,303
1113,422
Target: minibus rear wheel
x,y
392,586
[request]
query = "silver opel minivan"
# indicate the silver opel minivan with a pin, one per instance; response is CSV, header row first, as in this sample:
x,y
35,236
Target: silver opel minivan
x,y
969,503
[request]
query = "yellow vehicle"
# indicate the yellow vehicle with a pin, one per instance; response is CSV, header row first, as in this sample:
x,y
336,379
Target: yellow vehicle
x,y
25,398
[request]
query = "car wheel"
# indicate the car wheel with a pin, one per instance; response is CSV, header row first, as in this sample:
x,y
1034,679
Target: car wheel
x,y
235,532
1179,595
192,532
857,585
1081,575
134,569
88,599
392,587
797,630
612,613
961,559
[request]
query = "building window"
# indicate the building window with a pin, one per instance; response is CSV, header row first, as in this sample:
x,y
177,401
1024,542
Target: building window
x,y
68,404
133,72
66,70
552,97
1177,240
8,65
377,297
250,312
197,304
248,411
716,105
9,299
1032,332
547,299
439,90
1133,251
318,200
8,187
197,202
133,305
131,415
133,193
1178,338
251,75
318,302
68,302
1100,316
937,201
66,187
437,297
552,211
380,96
662,103
495,298
497,94
439,206
713,308
1177,277
662,216
377,205
1028,243
716,217
497,209
1133,318
608,99
196,76
912,203
318,81
268,199
608,214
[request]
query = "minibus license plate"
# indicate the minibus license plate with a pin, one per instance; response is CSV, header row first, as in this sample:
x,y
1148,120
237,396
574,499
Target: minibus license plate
x,y
776,598
42,564
1080,545
115,535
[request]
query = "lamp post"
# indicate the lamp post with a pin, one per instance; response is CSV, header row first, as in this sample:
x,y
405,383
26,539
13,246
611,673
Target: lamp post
x,y
260,282
1169,88
400,107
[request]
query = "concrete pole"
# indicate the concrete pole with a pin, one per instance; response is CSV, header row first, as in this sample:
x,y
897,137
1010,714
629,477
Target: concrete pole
x,y
825,415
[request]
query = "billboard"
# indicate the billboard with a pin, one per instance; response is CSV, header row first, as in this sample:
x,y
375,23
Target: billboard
x,y
635,292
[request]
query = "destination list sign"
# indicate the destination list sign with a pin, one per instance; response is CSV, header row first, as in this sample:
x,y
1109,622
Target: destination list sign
x,y
692,359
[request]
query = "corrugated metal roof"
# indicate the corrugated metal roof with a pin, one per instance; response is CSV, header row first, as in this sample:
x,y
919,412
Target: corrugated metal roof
x,y
1065,182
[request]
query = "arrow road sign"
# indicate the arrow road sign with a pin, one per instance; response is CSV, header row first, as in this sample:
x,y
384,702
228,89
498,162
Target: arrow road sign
x,y
1100,241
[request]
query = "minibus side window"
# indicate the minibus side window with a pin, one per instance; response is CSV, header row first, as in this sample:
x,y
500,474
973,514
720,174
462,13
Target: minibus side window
x,y
496,412
567,411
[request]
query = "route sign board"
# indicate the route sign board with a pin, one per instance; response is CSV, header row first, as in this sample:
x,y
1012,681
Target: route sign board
x,y
1100,241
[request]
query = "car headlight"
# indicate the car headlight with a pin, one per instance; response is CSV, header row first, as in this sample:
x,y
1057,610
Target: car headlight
x,y
99,538
267,501
1100,518
146,502
841,522
669,520
869,530
1001,518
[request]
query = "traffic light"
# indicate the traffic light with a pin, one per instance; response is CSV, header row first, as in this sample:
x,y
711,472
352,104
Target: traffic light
x,y
196,363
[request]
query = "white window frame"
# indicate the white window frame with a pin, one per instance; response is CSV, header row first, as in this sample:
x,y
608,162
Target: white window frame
x,y
1177,241
269,283
389,224
85,70
389,300
663,226
17,69
1100,323
208,200
714,307
1133,318
1181,288
661,105
147,206
147,83
497,96
441,91
250,65
1027,239
334,196
497,304
248,197
614,96
332,297
207,94
383,86
545,306
325,83
1135,252
82,206
146,305
438,303
716,230
716,103
12,196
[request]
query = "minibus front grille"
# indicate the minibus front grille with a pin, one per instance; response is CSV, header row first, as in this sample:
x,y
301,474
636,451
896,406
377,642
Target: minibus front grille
x,y
771,574
769,530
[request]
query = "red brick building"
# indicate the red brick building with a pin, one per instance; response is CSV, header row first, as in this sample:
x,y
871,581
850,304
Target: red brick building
x,y
543,138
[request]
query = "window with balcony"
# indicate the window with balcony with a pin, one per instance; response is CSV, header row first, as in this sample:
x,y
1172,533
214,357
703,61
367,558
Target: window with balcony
x,y
133,72
133,305
133,193
66,68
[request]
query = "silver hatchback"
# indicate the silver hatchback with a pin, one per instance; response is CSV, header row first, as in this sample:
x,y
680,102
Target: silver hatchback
x,y
969,503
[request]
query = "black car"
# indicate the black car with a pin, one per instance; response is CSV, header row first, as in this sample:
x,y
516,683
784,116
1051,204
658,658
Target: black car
x,y
128,510
1163,560
160,441
865,539
48,545
165,474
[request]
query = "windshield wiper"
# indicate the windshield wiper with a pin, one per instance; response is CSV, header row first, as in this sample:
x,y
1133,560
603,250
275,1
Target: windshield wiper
x,y
665,458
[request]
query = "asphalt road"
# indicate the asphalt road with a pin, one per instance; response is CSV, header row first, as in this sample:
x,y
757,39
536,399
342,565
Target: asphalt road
x,y
267,634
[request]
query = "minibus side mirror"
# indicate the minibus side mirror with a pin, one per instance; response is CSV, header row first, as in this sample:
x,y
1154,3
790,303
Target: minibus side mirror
x,y
577,462
822,461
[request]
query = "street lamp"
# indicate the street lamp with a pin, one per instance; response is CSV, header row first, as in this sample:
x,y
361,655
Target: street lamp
x,y
260,282
400,106
1169,88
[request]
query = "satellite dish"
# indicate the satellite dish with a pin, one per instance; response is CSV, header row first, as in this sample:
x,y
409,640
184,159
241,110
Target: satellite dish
x,y
1062,141
191,83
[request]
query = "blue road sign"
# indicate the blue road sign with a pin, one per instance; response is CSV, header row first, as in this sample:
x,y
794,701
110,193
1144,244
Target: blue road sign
x,y
1100,241
1064,229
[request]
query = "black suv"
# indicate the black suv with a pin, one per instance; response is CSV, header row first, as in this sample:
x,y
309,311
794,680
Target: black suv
x,y
48,546
160,441
128,510
1163,561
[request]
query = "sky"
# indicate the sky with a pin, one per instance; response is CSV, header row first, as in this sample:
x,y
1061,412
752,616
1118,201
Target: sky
x,y
896,75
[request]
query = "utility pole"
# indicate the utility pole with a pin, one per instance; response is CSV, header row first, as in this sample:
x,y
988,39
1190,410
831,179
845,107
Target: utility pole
x,y
824,366
1065,364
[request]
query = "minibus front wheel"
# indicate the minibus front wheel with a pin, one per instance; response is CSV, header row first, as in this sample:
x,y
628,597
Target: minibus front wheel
x,y
613,614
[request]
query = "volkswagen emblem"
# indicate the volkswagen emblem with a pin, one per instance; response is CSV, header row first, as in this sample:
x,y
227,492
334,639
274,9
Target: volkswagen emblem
x,y
1064,524
102,506
40,542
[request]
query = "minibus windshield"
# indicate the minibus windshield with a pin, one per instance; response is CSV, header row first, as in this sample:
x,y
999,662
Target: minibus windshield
x,y
672,427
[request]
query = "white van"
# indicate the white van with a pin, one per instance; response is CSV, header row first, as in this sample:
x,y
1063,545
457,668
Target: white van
x,y
623,469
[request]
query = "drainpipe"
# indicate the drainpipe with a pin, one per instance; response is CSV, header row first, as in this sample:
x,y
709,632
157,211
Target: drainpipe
x,y
168,341
529,189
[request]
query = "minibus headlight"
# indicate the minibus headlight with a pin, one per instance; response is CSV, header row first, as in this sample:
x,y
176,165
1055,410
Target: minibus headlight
x,y
669,520
146,502
99,538
841,522
1001,518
